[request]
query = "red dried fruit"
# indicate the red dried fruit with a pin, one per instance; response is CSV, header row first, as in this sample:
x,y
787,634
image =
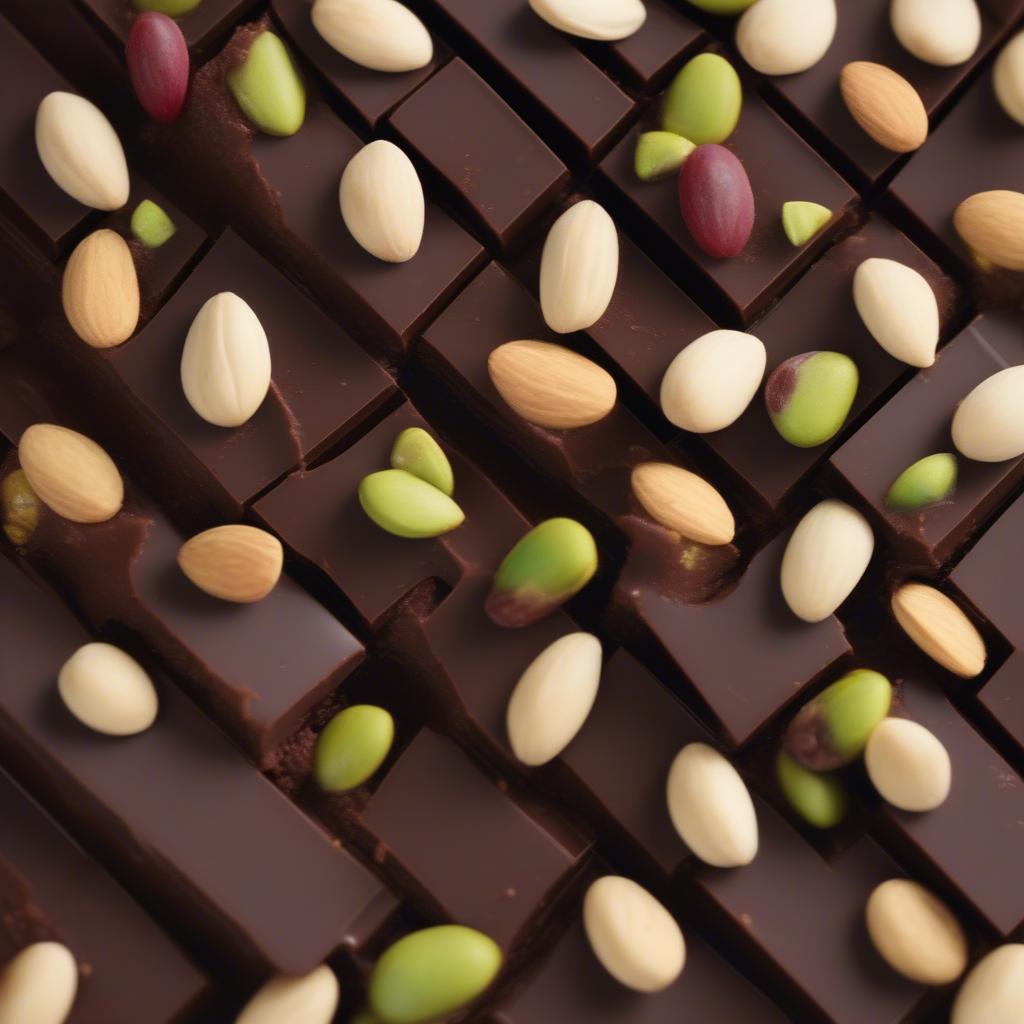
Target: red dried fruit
x,y
158,62
716,200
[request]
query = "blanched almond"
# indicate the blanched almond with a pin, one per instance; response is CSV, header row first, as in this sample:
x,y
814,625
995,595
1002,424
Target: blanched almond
x,y
993,993
71,473
825,559
309,999
636,939
785,37
101,290
235,562
225,364
708,386
382,202
551,385
885,105
683,501
39,985
940,628
988,425
898,308
579,267
81,151
908,765
382,35
107,690
711,808
940,32
1008,78
992,224
604,20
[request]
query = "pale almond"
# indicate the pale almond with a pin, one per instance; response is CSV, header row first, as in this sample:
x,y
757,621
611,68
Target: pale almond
x,y
993,993
308,999
81,151
39,985
550,385
235,562
382,202
940,628
885,105
940,32
603,20
101,290
578,268
70,473
992,224
683,501
1008,78
382,35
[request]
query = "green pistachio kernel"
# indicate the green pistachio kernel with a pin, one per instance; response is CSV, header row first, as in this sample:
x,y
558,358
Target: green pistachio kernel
x,y
175,8
927,481
407,506
659,154
832,729
151,225
802,220
810,396
819,798
418,453
723,6
268,87
431,973
555,560
703,101
20,507
352,746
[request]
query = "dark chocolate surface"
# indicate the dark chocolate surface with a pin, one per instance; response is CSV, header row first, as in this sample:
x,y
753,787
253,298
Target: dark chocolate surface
x,y
915,423
208,22
493,165
131,973
738,289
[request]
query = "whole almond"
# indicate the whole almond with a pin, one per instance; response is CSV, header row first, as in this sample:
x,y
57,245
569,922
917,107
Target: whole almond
x,y
898,308
603,20
908,765
39,985
382,202
307,999
81,151
225,364
550,385
825,559
940,32
70,473
711,808
992,224
915,932
683,501
101,290
578,268
988,425
235,562
785,37
993,993
885,105
940,628
382,35
1008,78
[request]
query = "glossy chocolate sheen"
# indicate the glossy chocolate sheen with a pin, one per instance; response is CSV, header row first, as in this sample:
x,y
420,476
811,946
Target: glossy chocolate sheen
x,y
975,149
493,165
863,32
207,22
576,108
368,94
972,842
28,195
806,916
571,985
819,314
736,290
480,857
323,385
183,816
915,423
131,972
